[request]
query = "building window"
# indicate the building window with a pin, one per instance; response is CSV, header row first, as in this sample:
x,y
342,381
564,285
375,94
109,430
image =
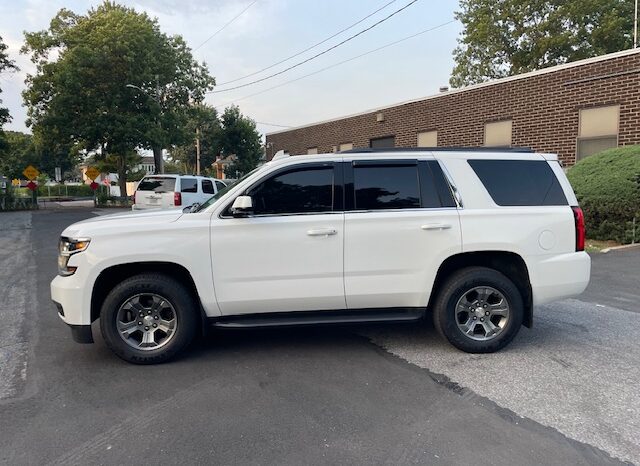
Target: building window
x,y
428,139
498,133
383,143
346,146
598,130
312,150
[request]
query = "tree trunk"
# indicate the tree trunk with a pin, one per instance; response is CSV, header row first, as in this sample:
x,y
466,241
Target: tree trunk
x,y
157,159
122,176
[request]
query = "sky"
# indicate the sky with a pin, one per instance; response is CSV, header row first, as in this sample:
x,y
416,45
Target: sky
x,y
267,32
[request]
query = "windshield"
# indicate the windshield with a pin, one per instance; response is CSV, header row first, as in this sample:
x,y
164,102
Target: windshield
x,y
157,184
223,191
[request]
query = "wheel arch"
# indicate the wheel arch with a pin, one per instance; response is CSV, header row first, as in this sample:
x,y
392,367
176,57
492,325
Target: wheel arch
x,y
111,276
508,263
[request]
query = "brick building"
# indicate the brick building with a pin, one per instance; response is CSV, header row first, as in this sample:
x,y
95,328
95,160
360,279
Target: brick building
x,y
573,110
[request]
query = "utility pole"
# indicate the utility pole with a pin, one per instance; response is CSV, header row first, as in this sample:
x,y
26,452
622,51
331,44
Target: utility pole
x,y
157,151
635,27
198,151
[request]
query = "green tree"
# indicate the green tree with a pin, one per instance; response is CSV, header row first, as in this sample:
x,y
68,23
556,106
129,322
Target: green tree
x,y
19,152
23,149
507,37
239,136
115,83
202,121
5,65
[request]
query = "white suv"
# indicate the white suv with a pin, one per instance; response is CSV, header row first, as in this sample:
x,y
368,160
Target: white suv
x,y
474,238
168,191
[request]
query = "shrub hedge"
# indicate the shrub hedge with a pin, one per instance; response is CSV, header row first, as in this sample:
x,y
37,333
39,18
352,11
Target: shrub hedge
x,y
608,188
83,190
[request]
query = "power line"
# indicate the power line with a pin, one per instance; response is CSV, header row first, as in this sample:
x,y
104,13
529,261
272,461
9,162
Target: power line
x,y
339,63
318,54
310,47
272,124
225,25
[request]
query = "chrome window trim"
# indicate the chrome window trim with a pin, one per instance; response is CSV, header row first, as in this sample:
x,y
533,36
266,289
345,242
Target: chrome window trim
x,y
413,209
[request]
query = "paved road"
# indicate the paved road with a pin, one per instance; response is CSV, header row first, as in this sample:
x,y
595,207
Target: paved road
x,y
313,396
615,280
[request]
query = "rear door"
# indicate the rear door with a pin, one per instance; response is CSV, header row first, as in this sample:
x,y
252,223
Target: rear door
x,y
401,222
156,192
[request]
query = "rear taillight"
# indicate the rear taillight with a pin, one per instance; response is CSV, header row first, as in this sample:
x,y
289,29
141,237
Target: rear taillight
x,y
177,199
578,217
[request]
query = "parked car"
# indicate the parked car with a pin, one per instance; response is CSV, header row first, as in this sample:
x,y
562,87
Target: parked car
x,y
168,191
474,238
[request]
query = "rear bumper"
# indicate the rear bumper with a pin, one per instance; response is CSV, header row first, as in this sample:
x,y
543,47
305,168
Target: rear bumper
x,y
559,276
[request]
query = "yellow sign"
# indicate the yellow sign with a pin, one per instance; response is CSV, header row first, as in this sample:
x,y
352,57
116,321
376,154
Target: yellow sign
x,y
15,182
92,173
31,172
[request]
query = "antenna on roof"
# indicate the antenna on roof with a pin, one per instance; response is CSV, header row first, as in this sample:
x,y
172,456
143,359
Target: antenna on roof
x,y
280,155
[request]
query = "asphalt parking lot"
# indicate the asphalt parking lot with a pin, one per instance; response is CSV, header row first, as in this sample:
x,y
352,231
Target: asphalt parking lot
x,y
564,392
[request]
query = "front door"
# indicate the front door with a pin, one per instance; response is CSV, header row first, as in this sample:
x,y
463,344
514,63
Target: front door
x,y
288,254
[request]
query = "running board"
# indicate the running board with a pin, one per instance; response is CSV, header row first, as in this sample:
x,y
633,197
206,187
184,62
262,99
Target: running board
x,y
289,319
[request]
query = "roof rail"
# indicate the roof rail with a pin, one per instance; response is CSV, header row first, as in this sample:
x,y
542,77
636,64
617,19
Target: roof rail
x,y
438,149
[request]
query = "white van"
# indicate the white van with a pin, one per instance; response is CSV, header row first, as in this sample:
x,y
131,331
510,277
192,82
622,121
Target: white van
x,y
169,191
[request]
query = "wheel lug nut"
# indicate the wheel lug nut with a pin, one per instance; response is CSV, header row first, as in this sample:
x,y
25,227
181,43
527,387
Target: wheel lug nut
x,y
155,325
484,305
474,317
139,322
486,313
155,317
146,328
148,312
481,319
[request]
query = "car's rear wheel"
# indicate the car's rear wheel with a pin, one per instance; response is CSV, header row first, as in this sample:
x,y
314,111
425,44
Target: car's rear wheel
x,y
478,310
148,318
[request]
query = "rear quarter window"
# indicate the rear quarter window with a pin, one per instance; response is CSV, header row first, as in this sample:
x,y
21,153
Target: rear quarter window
x,y
157,184
519,182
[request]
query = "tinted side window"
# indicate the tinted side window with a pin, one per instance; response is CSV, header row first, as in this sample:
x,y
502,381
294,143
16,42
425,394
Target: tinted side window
x,y
298,191
207,187
220,185
386,187
189,185
519,182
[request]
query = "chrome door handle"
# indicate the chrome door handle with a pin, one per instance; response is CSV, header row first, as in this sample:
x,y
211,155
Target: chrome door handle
x,y
436,226
322,232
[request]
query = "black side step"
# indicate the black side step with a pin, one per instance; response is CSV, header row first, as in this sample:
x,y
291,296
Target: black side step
x,y
287,319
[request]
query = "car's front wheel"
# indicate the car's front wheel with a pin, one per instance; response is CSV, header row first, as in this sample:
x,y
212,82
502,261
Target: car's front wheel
x,y
148,318
478,310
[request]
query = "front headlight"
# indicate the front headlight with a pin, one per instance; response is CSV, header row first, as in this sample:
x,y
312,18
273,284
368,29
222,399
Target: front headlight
x,y
66,248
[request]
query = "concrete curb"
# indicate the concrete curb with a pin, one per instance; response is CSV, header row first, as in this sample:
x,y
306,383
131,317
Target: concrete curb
x,y
617,248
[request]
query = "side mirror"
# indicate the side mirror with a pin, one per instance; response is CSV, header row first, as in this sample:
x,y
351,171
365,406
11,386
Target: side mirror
x,y
191,208
242,206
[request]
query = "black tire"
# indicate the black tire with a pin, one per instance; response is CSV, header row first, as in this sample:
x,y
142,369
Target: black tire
x,y
460,284
183,308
